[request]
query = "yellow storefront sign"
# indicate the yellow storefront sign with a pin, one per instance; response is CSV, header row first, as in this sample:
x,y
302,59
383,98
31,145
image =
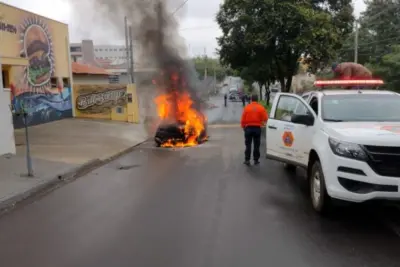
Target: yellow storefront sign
x,y
109,102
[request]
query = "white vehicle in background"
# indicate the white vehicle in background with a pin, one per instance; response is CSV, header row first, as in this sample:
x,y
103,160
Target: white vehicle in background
x,y
234,89
347,140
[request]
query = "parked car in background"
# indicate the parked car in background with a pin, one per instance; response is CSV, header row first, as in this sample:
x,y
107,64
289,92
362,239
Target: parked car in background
x,y
234,96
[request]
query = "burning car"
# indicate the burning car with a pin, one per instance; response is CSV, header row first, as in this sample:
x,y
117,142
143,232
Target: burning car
x,y
182,123
178,135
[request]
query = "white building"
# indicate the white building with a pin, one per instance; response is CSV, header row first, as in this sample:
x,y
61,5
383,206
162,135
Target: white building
x,y
110,52
76,52
7,141
113,53
112,57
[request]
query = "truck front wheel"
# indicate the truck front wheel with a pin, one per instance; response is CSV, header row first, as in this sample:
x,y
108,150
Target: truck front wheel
x,y
319,197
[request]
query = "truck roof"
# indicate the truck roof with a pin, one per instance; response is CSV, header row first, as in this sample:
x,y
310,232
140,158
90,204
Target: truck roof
x,y
353,92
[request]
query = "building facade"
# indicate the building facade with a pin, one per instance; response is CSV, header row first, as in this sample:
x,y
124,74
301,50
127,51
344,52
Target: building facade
x,y
110,57
7,141
35,66
76,52
110,52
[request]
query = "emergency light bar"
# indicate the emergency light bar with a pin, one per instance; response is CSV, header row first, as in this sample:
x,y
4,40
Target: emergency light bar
x,y
348,82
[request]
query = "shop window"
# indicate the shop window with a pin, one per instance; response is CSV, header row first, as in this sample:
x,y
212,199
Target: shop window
x,y
66,82
53,82
76,49
4,74
120,110
113,79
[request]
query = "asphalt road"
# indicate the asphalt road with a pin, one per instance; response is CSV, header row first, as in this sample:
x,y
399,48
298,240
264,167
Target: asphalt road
x,y
197,207
230,114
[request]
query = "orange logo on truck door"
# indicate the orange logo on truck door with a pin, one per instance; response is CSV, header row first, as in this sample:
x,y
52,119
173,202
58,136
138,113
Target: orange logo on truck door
x,y
288,139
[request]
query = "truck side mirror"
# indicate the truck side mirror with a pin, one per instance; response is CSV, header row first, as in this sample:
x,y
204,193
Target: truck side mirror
x,y
307,120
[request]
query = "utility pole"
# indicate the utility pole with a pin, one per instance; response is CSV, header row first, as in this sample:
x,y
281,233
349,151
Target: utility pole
x,y
205,62
131,67
215,79
356,43
128,65
160,21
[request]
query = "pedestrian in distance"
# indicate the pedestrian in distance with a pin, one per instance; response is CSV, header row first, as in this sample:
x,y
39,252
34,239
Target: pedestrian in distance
x,y
253,118
244,99
225,99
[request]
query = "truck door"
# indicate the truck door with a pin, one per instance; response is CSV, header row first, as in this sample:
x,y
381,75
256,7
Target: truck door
x,y
285,138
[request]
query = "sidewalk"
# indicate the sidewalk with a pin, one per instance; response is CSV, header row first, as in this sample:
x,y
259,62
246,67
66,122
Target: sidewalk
x,y
60,149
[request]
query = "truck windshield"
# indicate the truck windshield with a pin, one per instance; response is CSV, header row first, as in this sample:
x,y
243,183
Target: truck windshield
x,y
360,107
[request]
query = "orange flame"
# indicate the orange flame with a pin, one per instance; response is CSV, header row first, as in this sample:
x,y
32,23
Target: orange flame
x,y
178,106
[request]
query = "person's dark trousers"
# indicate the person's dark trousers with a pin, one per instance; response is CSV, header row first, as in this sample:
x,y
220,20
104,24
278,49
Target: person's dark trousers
x,y
244,101
252,135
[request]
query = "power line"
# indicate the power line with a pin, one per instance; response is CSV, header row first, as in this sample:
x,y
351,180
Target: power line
x,y
375,42
179,7
198,28
368,21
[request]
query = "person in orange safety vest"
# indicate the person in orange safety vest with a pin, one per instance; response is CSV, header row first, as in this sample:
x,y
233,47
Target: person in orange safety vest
x,y
253,118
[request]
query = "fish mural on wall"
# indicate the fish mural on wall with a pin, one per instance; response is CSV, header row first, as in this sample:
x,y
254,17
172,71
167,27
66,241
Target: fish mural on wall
x,y
43,97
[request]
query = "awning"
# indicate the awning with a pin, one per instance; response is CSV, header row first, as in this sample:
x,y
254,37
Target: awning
x,y
14,61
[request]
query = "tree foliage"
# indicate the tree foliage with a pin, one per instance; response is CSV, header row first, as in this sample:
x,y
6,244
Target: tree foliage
x,y
388,68
211,64
378,41
265,38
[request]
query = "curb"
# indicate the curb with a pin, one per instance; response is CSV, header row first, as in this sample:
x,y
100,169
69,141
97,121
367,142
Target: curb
x,y
59,180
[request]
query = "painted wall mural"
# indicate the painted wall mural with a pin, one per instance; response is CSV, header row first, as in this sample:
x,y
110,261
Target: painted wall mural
x,y
38,48
105,101
99,99
43,96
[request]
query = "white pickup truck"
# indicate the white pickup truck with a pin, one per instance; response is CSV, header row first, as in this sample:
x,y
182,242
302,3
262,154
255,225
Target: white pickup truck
x,y
347,140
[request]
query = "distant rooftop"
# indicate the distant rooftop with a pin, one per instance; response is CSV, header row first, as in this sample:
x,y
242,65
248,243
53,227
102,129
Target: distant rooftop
x,y
78,68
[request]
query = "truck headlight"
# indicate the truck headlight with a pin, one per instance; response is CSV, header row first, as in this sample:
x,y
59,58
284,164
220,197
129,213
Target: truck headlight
x,y
347,150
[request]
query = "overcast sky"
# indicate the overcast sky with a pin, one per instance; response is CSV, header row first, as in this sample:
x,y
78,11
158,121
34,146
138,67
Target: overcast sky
x,y
197,21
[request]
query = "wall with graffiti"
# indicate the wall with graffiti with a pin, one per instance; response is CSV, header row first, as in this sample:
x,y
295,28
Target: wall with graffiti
x,y
109,102
41,85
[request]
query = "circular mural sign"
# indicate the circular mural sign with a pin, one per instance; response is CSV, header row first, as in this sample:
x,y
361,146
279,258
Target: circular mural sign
x,y
38,49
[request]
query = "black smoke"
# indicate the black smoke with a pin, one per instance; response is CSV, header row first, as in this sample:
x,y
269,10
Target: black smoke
x,y
156,32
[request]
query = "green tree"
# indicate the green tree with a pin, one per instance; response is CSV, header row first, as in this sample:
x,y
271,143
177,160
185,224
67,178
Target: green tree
x,y
211,64
378,41
279,32
379,28
388,69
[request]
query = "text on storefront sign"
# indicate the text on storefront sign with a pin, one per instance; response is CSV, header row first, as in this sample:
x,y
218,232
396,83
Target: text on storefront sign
x,y
5,27
98,99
